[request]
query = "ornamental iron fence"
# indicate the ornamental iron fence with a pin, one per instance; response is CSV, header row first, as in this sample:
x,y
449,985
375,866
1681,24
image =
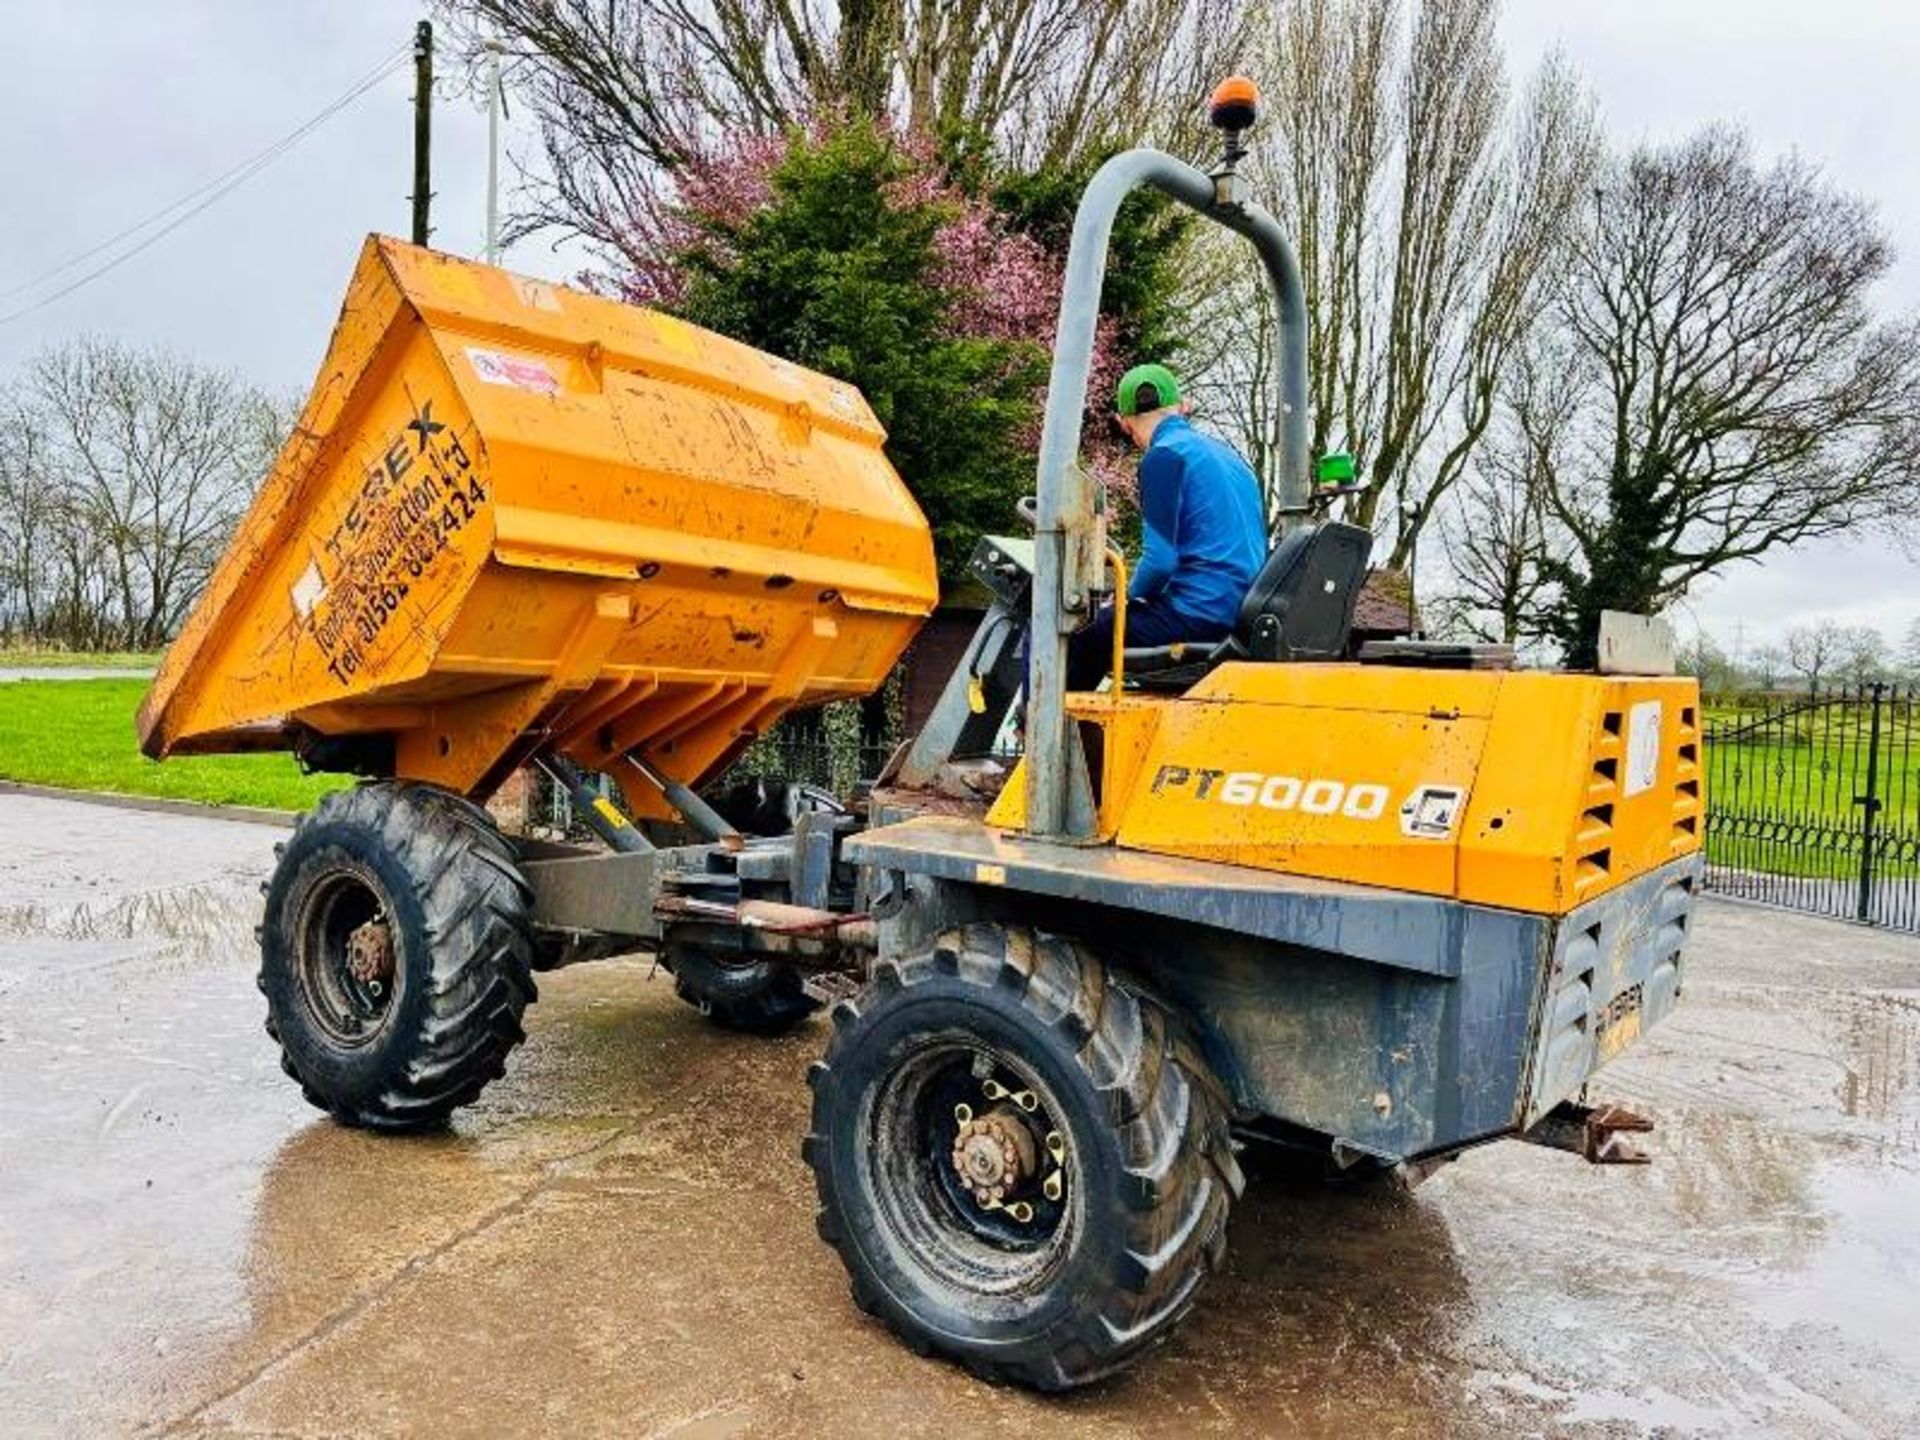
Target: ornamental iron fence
x,y
1813,802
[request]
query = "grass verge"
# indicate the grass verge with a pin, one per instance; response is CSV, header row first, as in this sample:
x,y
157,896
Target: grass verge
x,y
14,657
79,734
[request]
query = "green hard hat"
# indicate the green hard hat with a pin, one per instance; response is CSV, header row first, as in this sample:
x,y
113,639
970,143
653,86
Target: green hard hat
x,y
1165,389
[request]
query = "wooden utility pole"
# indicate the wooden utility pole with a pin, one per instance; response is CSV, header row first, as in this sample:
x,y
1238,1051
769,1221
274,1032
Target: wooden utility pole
x,y
422,129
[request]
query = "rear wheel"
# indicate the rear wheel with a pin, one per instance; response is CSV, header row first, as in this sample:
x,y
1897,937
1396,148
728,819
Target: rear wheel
x,y
1019,1162
739,992
395,954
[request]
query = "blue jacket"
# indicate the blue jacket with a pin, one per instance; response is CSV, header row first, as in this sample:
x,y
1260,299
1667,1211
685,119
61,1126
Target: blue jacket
x,y
1205,534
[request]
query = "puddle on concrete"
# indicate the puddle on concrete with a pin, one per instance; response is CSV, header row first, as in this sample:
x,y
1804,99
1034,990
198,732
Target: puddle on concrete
x,y
212,922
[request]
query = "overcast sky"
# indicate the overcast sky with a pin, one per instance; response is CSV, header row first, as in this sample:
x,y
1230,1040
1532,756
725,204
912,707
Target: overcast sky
x,y
112,109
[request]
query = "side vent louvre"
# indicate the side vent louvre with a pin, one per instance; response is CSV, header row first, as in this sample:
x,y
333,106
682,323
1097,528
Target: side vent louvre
x,y
1593,869
1687,811
1593,834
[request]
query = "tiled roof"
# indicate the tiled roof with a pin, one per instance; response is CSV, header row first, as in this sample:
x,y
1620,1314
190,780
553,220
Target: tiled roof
x,y
1385,603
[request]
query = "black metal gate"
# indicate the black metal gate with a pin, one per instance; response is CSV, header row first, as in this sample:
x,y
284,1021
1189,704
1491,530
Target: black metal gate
x,y
1814,802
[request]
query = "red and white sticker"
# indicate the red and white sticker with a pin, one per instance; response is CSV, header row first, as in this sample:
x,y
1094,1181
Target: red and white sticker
x,y
496,368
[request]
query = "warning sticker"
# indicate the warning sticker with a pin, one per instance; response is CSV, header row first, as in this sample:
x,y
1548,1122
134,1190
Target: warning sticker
x,y
1431,812
1643,746
499,369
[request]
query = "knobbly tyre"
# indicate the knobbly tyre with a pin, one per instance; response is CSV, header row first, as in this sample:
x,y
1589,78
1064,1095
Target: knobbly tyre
x,y
1384,905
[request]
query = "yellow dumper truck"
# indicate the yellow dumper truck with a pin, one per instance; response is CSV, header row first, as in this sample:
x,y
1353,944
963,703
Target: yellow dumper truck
x,y
1383,905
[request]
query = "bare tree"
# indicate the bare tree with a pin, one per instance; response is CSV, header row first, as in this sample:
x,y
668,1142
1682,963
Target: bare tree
x,y
1736,392
1813,649
1863,655
624,90
55,566
1429,209
123,473
1703,658
1502,544
1496,543
1910,654
24,518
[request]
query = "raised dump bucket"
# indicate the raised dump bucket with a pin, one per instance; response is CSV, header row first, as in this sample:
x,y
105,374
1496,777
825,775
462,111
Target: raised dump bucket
x,y
514,515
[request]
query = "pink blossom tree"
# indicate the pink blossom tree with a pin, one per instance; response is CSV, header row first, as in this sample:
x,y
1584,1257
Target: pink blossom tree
x,y
994,283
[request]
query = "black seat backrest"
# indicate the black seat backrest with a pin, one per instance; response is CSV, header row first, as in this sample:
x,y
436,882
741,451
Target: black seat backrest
x,y
1300,606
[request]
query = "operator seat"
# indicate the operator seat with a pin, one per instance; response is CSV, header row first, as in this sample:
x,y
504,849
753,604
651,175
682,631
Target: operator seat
x,y
1299,607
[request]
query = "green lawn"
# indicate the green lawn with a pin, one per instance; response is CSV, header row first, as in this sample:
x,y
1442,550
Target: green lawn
x,y
28,658
79,734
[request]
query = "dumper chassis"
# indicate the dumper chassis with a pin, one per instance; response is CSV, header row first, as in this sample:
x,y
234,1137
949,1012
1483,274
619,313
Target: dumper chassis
x,y
1380,911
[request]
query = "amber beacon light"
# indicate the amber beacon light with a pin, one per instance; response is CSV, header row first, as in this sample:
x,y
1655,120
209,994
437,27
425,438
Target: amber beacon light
x,y
1235,103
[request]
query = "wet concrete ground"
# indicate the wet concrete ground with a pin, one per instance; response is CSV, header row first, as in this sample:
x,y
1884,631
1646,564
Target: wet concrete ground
x,y
619,1239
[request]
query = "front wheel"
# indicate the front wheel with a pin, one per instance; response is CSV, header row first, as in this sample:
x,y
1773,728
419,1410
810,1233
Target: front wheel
x,y
395,954
1019,1162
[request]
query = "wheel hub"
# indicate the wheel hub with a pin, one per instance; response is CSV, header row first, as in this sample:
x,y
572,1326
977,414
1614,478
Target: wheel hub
x,y
370,954
994,1154
997,1153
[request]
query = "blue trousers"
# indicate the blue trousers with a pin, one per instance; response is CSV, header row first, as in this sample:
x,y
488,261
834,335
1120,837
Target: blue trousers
x,y
1090,648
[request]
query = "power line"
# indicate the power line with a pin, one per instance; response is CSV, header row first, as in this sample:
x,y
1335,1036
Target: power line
x,y
196,200
246,167
383,69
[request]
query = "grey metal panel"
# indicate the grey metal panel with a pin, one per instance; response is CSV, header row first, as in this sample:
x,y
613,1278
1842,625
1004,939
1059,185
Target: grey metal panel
x,y
612,892
1615,974
766,864
1411,932
1388,1061
1348,1050
1503,955
813,857
1635,644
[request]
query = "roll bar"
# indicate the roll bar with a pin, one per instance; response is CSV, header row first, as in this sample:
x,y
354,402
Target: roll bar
x,y
1069,544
